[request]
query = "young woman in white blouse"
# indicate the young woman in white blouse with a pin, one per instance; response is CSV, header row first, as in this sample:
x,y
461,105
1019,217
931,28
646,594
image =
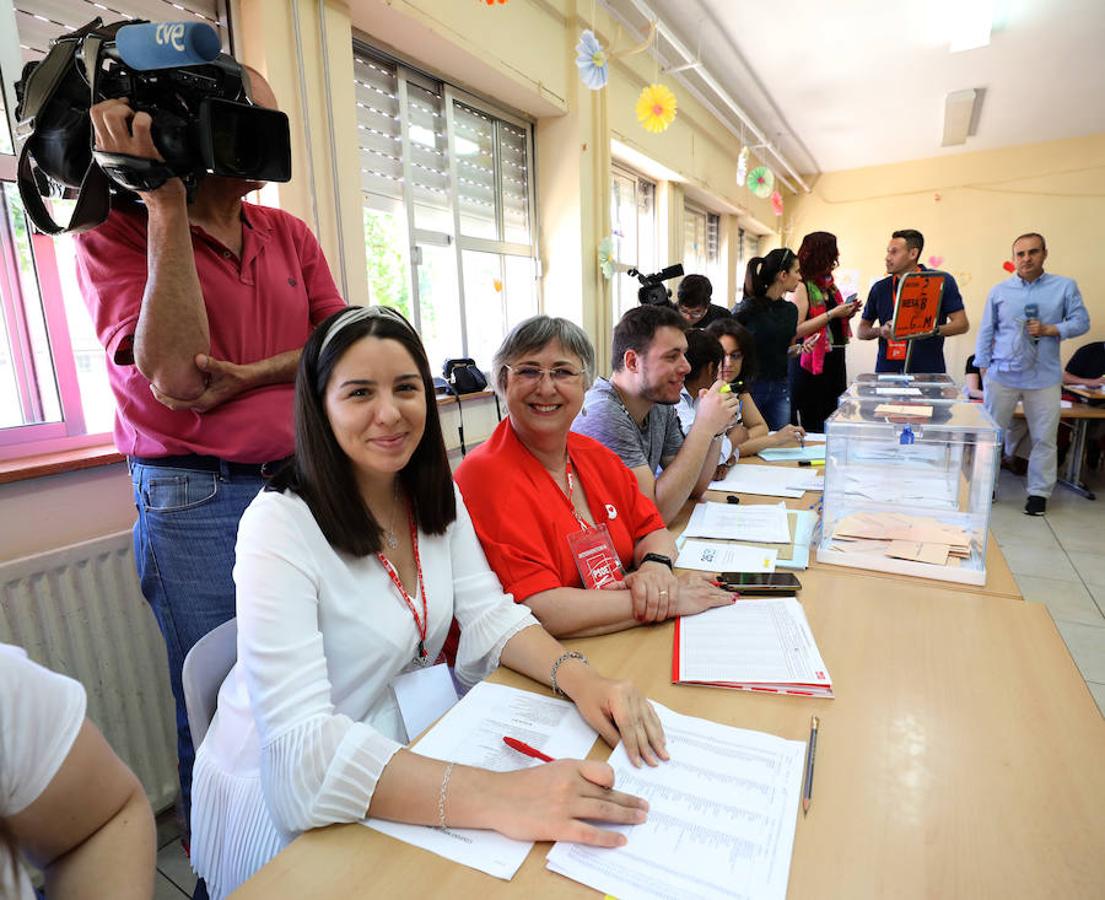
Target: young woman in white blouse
x,y
350,569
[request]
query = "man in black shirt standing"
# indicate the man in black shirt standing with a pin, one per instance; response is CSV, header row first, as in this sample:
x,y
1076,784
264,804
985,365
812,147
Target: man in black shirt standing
x,y
1087,369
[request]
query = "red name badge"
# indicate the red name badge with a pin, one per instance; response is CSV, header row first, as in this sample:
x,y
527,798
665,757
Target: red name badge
x,y
896,349
595,557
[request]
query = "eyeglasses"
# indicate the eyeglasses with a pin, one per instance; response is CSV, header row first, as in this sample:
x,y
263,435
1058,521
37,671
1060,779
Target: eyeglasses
x,y
533,374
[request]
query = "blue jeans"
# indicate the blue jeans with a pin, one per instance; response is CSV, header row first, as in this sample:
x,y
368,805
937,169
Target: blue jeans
x,y
184,550
773,401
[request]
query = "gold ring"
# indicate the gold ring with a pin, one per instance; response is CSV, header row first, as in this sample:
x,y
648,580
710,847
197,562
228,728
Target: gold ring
x,y
663,593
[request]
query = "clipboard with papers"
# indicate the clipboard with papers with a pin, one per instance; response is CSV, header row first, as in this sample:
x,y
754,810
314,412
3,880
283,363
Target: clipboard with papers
x,y
763,645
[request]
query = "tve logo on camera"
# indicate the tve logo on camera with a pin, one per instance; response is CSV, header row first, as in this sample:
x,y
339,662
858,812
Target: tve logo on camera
x,y
172,34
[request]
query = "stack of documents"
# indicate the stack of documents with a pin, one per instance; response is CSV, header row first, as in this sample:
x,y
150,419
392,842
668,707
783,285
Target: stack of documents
x,y
770,481
472,733
720,823
914,410
912,538
771,537
754,645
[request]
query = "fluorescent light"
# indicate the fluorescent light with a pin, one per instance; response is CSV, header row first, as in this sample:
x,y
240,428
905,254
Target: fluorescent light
x,y
970,24
959,111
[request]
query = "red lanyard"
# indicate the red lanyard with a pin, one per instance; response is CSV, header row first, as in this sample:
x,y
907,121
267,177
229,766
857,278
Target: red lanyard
x,y
583,523
420,626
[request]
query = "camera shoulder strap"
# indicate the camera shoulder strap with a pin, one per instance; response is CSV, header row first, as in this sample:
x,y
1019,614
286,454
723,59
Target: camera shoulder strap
x,y
93,198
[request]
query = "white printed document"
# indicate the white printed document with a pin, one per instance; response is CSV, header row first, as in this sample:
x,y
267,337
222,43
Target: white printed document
x,y
898,392
720,823
770,481
715,556
754,645
472,733
762,523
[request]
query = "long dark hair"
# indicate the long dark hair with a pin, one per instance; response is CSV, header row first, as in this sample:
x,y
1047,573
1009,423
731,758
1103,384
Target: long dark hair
x,y
764,272
746,343
322,474
818,255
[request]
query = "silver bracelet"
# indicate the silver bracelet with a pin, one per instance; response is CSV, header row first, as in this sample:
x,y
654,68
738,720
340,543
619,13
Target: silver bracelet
x,y
564,657
441,796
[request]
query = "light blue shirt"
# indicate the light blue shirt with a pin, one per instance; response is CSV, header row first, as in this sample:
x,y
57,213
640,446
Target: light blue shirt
x,y
1004,347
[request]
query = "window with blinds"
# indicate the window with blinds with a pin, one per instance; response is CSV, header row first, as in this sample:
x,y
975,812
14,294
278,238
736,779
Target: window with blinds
x,y
447,194
38,22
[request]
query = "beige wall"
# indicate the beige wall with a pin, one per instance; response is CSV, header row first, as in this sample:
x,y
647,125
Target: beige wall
x,y
969,207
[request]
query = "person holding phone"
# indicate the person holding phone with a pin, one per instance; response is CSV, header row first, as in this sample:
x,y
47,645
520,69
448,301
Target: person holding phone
x,y
818,375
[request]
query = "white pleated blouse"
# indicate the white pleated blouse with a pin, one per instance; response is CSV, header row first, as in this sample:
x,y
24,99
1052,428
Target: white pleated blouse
x,y
307,719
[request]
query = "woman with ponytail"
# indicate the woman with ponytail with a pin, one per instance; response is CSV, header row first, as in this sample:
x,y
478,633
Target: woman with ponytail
x,y
773,321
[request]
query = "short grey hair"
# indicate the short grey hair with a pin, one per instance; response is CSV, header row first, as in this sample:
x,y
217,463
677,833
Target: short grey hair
x,y
534,335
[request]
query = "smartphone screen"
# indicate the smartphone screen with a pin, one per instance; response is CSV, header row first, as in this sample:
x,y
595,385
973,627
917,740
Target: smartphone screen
x,y
762,579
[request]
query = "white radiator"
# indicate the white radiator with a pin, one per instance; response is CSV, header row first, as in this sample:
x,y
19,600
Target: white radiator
x,y
79,611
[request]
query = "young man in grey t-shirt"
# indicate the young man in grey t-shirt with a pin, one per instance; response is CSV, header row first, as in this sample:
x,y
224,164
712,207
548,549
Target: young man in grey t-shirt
x,y
634,412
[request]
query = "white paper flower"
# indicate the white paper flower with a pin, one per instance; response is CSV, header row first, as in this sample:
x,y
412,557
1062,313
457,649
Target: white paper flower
x,y
592,61
606,257
742,166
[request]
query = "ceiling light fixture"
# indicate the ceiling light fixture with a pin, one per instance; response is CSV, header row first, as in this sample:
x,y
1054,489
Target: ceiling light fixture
x,y
961,109
971,22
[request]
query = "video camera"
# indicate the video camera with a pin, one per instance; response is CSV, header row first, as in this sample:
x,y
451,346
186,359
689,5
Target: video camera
x,y
204,119
652,291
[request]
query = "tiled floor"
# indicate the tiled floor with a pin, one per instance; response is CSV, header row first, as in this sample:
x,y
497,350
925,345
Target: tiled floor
x,y
1058,560
175,879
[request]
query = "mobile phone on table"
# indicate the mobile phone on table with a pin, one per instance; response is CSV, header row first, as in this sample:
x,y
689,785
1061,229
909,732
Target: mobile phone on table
x,y
754,584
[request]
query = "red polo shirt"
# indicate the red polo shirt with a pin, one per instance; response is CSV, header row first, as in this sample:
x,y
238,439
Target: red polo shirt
x,y
523,518
264,304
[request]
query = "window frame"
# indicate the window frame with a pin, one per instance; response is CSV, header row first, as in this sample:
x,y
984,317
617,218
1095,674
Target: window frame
x,y
457,240
70,432
621,170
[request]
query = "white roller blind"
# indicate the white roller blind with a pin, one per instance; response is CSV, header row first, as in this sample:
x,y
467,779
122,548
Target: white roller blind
x,y
515,183
40,21
475,147
379,137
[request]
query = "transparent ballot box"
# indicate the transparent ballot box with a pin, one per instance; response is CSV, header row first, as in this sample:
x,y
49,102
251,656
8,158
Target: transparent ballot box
x,y
909,492
900,391
887,378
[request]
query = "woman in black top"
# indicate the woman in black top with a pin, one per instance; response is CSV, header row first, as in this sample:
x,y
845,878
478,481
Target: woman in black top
x,y
818,375
773,321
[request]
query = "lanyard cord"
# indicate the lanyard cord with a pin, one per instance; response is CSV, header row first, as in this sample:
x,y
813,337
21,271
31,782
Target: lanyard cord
x,y
420,626
583,523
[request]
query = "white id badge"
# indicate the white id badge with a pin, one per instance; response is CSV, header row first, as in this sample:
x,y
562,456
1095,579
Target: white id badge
x,y
424,696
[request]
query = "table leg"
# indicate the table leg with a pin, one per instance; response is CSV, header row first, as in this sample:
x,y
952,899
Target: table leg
x,y
1076,451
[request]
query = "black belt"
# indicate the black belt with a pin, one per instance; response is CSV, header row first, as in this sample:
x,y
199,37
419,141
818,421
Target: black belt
x,y
196,462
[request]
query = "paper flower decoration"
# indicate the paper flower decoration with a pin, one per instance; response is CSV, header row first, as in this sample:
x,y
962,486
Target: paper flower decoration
x,y
493,2
606,257
777,203
1008,266
742,165
497,283
761,182
591,61
656,108
935,262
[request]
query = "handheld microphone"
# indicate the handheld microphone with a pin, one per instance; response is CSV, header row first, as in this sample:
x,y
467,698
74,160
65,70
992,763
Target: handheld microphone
x,y
167,45
1032,311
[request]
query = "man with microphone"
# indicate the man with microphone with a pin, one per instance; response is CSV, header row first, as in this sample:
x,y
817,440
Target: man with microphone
x,y
203,308
1017,352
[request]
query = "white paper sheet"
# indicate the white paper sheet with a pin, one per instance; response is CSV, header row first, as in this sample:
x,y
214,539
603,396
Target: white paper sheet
x,y
898,391
760,523
472,733
761,641
770,481
815,437
715,556
721,818
424,695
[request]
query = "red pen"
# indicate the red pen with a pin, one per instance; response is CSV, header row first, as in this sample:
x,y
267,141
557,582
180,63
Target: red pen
x,y
515,744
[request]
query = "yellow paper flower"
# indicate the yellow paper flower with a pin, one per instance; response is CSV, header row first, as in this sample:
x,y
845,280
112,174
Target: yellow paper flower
x,y
656,108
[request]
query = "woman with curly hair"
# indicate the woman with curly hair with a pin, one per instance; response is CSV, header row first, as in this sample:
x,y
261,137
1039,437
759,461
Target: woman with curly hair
x,y
818,375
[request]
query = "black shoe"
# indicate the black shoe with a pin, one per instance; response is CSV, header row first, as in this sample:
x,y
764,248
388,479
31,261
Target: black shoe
x,y
1036,506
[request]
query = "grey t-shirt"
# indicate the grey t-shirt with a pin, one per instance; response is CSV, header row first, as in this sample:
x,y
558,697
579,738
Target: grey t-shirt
x,y
605,419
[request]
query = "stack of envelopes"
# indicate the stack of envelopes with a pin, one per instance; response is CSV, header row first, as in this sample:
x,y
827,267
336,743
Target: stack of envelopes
x,y
913,538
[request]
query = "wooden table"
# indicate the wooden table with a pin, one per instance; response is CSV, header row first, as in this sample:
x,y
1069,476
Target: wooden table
x,y
960,758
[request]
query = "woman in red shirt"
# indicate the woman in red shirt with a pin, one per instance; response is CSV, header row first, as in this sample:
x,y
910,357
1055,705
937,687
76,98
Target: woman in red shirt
x,y
562,520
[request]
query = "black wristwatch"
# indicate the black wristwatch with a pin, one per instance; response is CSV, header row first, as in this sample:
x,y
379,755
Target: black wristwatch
x,y
657,557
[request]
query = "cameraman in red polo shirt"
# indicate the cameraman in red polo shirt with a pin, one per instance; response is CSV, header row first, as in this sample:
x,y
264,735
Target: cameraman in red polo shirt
x,y
203,308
